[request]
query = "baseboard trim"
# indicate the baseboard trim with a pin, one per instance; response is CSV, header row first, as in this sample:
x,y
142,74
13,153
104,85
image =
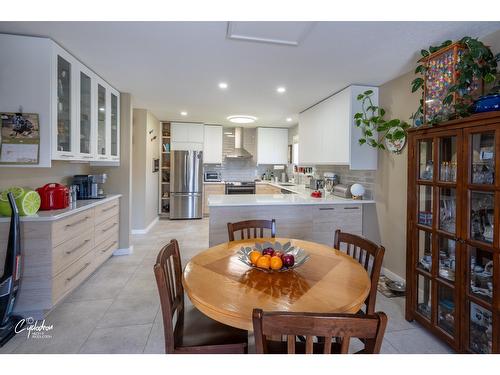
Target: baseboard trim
x,y
124,251
147,229
391,275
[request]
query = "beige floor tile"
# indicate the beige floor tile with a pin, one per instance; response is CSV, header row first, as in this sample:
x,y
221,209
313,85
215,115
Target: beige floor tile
x,y
138,310
117,340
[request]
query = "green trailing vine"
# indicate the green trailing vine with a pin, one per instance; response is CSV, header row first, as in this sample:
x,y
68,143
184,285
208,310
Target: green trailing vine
x,y
477,61
375,129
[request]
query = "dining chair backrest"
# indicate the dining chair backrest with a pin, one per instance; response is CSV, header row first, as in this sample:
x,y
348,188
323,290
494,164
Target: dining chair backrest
x,y
368,254
342,327
168,273
252,229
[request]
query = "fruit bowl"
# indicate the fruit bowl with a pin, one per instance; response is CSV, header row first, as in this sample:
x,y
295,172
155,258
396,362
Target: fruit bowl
x,y
273,257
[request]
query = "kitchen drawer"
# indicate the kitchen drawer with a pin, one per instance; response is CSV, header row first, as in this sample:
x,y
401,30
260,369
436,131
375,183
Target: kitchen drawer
x,y
71,227
328,213
69,251
214,189
107,210
106,229
72,276
104,250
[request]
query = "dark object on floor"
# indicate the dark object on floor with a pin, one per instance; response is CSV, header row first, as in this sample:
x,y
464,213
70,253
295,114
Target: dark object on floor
x,y
383,287
9,281
369,255
192,332
250,227
340,327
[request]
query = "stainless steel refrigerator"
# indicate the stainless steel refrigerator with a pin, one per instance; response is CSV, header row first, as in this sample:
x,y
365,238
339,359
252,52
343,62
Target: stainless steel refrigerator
x,y
186,185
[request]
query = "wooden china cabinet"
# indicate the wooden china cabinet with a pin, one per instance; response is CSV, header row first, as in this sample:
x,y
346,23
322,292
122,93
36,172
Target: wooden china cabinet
x,y
453,237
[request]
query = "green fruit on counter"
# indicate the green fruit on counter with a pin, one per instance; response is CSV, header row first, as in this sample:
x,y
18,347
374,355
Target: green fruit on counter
x,y
28,201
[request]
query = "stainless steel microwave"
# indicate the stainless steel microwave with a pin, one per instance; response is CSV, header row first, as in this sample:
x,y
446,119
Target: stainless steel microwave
x,y
212,176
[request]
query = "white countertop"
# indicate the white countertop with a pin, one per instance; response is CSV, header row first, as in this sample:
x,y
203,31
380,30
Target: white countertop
x,y
53,215
302,196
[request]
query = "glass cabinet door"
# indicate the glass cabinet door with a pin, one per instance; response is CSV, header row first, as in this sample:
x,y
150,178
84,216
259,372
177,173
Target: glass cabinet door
x,y
483,158
482,216
114,125
101,120
63,105
448,159
426,160
85,114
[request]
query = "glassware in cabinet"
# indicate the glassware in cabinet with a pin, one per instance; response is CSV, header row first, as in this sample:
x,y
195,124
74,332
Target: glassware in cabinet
x,y
101,120
424,261
481,273
114,125
447,209
85,114
424,303
446,309
447,258
480,329
483,158
425,199
426,162
448,159
482,213
64,109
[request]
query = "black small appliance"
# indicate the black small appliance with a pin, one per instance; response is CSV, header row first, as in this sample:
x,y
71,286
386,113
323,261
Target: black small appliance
x,y
87,186
9,281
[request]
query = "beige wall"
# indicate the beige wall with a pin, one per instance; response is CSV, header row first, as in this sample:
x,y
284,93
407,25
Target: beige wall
x,y
61,172
390,192
144,181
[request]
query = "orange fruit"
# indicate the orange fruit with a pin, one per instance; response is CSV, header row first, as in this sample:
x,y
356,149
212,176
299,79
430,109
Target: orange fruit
x,y
264,262
276,263
254,256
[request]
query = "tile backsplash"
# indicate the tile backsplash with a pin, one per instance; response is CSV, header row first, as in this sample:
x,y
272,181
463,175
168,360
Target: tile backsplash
x,y
349,177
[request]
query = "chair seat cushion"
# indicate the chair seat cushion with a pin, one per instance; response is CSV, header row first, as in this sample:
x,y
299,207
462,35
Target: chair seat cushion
x,y
200,330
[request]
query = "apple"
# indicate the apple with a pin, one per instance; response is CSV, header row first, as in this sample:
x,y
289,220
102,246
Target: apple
x,y
268,251
279,254
288,260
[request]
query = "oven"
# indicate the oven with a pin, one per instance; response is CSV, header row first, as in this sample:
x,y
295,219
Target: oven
x,y
240,188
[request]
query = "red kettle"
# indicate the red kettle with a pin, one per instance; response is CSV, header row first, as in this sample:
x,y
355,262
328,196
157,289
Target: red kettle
x,y
53,196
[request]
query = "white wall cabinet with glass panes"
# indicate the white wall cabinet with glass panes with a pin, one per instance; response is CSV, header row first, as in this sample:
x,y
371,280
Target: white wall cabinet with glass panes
x,y
79,120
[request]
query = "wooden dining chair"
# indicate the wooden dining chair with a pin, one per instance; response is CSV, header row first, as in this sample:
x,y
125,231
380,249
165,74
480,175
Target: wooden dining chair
x,y
190,331
334,331
368,254
251,227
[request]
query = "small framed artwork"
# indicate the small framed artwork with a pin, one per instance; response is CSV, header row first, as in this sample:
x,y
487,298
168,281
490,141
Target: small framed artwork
x,y
19,138
156,165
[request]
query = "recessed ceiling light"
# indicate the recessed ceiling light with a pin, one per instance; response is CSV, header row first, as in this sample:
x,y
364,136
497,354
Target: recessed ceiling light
x,y
228,133
184,113
281,89
223,85
242,119
288,119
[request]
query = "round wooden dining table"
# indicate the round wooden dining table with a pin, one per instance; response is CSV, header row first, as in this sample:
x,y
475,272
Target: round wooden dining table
x,y
227,290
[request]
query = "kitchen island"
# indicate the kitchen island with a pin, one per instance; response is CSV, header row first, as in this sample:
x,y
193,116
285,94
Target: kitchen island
x,y
297,215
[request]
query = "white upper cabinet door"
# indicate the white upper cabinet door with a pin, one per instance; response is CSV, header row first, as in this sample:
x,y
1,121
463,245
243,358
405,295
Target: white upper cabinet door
x,y
102,101
212,144
187,136
64,131
272,146
114,113
328,135
86,119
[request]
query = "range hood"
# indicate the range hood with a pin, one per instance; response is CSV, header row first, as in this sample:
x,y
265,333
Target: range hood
x,y
239,152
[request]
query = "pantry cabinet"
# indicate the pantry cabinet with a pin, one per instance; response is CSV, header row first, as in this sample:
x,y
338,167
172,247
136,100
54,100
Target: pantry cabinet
x,y
272,146
212,144
78,111
187,136
328,135
453,241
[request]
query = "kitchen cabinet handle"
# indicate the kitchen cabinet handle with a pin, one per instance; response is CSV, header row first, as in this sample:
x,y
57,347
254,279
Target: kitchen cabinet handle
x,y
102,157
77,222
109,208
78,272
327,209
110,227
66,156
109,247
351,208
78,247
88,157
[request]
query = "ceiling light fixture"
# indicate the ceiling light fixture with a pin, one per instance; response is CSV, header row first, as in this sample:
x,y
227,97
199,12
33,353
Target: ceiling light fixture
x,y
184,113
242,119
223,85
228,133
288,119
281,89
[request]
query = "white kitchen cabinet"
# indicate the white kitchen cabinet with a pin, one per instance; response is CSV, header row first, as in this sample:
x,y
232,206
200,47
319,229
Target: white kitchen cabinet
x,y
328,135
272,146
187,136
40,77
212,144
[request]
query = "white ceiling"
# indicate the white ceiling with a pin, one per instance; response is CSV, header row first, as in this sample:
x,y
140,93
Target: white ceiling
x,y
170,67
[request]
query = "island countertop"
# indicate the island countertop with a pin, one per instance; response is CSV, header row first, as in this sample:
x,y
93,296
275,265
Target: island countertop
x,y
301,197
52,215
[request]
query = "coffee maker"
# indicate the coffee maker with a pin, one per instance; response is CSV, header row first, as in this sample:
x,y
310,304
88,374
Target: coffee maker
x,y
89,186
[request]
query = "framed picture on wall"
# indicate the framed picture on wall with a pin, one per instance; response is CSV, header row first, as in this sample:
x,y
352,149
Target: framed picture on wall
x,y
19,138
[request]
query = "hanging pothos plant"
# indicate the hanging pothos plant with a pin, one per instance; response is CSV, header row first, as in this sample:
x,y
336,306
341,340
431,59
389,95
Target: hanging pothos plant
x,y
477,61
375,129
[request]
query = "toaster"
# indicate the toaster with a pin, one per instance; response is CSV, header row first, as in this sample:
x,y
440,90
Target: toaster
x,y
343,191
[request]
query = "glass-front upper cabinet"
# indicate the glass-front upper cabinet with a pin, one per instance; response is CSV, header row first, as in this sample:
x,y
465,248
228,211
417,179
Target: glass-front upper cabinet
x,y
101,120
115,125
85,116
64,105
